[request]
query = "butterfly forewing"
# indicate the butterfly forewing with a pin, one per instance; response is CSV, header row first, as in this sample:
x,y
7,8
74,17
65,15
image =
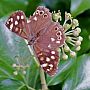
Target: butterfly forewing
x,y
17,24
53,37
40,20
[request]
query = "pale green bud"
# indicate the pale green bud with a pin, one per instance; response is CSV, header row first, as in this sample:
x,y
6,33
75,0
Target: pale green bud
x,y
67,26
74,23
66,48
78,29
78,48
80,38
57,16
75,33
14,65
78,43
72,54
67,16
24,72
15,73
68,39
64,57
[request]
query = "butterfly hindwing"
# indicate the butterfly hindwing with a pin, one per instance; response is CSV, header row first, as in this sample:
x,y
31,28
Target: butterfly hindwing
x,y
47,45
48,59
17,24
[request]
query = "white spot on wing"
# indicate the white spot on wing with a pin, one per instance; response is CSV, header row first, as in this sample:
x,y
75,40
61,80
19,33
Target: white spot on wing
x,y
57,41
51,65
11,26
16,22
49,46
48,69
52,52
18,17
11,19
47,59
22,17
52,57
52,39
35,18
44,65
41,58
7,22
28,21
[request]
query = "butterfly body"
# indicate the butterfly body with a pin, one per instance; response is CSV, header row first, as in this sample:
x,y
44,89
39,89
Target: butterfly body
x,y
45,35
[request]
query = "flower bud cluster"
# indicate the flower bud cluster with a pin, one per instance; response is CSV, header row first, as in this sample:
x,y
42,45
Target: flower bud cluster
x,y
19,68
56,16
72,38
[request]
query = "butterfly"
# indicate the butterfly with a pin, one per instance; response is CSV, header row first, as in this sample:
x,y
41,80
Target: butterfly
x,y
45,35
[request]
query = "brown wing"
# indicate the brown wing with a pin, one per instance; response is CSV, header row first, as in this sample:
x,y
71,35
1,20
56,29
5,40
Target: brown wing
x,y
40,20
46,47
48,59
30,28
17,24
53,37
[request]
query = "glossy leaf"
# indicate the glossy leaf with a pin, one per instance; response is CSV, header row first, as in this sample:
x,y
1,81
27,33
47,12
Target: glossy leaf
x,y
7,6
11,48
32,5
9,84
63,71
79,77
85,26
79,6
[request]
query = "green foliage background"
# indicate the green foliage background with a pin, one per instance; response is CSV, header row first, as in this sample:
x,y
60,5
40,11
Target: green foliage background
x,y
74,74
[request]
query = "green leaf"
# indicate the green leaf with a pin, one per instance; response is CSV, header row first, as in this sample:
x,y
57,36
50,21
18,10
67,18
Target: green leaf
x,y
7,6
63,71
13,50
9,84
32,5
79,77
85,46
65,66
54,5
85,26
79,6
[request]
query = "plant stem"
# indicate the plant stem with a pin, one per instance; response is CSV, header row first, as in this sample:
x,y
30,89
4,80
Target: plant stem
x,y
42,76
43,81
21,87
32,53
30,88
